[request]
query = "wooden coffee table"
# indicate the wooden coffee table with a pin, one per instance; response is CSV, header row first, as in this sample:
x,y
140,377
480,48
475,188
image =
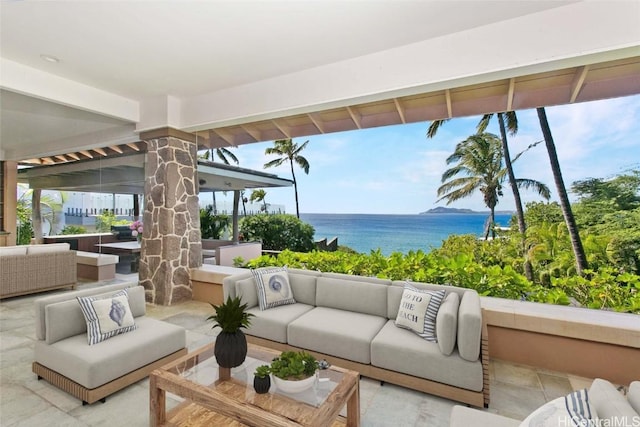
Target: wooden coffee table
x,y
214,396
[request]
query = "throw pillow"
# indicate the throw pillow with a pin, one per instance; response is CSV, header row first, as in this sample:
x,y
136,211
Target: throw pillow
x,y
572,410
272,285
107,316
418,311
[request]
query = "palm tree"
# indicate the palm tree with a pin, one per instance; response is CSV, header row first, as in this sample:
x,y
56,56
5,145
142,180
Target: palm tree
x,y
574,235
288,150
479,158
222,154
258,196
512,126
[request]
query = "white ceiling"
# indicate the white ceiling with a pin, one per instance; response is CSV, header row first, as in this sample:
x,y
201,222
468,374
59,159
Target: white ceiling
x,y
130,66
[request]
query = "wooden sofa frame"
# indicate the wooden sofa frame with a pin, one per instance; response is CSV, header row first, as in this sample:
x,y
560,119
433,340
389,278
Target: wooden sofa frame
x,y
478,399
89,396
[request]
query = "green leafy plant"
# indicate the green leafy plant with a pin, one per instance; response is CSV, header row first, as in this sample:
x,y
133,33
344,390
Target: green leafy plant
x,y
74,229
231,315
294,365
238,261
262,371
278,232
106,220
212,226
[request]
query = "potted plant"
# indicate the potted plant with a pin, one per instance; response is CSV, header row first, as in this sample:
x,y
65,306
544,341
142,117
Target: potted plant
x,y
261,379
231,344
294,371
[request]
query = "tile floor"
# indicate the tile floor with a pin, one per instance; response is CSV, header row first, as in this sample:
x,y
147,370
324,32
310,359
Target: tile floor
x,y
515,390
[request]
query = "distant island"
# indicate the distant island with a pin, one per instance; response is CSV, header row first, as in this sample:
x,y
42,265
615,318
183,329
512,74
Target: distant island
x,y
443,210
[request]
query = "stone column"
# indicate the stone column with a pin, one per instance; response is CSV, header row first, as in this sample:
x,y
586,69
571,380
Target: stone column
x,y
171,243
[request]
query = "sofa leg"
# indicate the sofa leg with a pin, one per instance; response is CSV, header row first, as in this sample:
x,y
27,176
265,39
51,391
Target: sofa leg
x,y
85,403
39,377
103,400
381,383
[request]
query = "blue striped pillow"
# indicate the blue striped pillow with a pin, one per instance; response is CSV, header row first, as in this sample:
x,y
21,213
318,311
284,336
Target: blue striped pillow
x,y
272,286
107,316
418,310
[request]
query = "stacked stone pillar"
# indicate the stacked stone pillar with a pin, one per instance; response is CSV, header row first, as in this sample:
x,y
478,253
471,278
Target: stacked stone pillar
x,y
171,243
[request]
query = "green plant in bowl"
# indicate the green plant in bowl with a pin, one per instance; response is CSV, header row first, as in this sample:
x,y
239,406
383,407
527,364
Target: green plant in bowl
x,y
294,365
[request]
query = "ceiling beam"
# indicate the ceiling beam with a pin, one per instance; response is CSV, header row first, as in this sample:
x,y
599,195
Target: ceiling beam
x,y
317,122
253,133
62,158
355,117
512,87
578,82
282,128
100,151
86,154
133,146
447,96
228,138
116,149
400,109
74,156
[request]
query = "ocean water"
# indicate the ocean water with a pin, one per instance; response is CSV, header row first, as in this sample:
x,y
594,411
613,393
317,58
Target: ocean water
x,y
402,233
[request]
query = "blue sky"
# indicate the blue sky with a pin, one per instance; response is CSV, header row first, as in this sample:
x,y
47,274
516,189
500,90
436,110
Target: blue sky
x,y
397,170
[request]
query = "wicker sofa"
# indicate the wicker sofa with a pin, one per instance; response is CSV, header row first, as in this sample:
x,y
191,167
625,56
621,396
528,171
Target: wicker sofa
x,y
35,268
350,322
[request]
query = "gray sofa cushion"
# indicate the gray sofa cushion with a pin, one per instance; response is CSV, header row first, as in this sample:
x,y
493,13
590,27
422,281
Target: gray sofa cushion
x,y
633,396
469,326
65,319
246,290
41,303
447,323
401,350
272,324
303,285
336,332
353,278
93,366
611,405
350,295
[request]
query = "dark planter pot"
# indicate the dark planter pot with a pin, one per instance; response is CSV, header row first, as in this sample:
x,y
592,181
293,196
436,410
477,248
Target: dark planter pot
x,y
261,385
230,349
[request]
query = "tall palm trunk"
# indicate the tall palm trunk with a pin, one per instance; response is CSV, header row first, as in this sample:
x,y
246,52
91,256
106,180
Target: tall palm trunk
x,y
528,270
295,188
492,220
576,243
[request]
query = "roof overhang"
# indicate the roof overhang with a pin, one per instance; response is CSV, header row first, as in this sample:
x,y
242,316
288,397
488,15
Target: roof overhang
x,y
126,175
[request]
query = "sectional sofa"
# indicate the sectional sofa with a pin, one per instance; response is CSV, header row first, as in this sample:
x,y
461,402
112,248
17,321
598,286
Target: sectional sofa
x,y
350,322
34,268
64,358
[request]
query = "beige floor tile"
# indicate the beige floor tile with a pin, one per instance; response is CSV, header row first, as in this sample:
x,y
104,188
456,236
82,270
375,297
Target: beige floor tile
x,y
518,375
515,401
578,383
554,386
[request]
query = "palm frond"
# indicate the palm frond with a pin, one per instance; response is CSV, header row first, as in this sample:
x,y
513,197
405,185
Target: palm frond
x,y
484,123
537,186
274,162
303,163
511,122
435,126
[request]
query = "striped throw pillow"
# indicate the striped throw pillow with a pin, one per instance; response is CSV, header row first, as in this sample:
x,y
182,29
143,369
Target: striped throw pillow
x,y
107,316
418,310
272,286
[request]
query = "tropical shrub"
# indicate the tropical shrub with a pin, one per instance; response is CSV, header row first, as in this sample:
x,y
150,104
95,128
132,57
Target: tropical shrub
x,y
74,229
278,232
213,226
106,220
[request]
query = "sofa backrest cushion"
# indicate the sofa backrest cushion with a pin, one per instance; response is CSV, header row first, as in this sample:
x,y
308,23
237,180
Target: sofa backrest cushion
x,y
246,290
65,319
41,303
469,326
397,287
352,295
610,404
47,249
13,250
303,286
353,278
633,396
447,323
